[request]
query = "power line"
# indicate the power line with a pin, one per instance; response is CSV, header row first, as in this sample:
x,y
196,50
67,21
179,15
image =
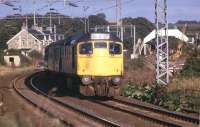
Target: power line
x,y
113,6
31,17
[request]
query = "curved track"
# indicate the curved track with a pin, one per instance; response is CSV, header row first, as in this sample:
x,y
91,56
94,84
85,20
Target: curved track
x,y
139,109
64,112
121,110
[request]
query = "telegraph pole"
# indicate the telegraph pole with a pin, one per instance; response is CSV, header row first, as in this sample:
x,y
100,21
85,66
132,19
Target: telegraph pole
x,y
50,21
34,13
86,23
119,19
162,53
134,40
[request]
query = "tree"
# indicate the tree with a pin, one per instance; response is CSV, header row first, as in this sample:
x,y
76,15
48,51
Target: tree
x,y
98,19
7,30
72,26
143,28
101,15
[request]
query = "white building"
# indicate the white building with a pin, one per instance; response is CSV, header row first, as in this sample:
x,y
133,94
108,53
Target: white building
x,y
35,38
12,60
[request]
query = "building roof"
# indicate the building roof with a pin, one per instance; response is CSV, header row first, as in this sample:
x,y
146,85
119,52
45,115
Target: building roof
x,y
36,34
19,34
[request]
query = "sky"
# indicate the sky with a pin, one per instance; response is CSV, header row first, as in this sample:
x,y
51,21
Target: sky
x,y
177,9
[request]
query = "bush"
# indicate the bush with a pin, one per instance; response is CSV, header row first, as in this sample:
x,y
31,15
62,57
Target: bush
x,y
177,101
25,61
191,68
134,64
159,95
145,93
35,55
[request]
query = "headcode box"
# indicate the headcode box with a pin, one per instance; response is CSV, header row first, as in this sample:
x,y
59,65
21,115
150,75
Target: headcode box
x,y
100,36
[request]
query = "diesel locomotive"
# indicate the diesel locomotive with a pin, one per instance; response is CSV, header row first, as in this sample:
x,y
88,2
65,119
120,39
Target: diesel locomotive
x,y
96,59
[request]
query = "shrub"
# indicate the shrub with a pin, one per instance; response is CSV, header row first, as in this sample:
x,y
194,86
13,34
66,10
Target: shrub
x,y
191,68
35,55
172,100
177,101
134,64
25,61
145,93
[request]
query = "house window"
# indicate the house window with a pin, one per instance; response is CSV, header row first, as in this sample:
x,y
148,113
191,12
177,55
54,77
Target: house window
x,y
23,42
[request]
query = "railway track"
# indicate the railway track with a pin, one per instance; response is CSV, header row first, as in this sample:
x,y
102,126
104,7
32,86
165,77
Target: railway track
x,y
153,108
148,112
152,114
58,109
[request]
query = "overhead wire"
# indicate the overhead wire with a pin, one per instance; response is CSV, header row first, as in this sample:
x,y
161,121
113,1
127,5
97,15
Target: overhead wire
x,y
113,6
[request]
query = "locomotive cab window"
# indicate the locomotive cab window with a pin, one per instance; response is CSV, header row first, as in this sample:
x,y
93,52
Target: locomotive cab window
x,y
115,48
100,45
85,48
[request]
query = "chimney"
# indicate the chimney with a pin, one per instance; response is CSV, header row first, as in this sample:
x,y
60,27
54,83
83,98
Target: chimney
x,y
24,26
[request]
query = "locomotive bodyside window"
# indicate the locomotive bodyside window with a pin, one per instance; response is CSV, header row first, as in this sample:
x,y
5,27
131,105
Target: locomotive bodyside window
x,y
85,48
100,45
115,48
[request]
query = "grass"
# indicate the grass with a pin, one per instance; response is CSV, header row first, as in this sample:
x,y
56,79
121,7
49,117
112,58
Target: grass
x,y
137,71
6,71
20,115
19,119
134,64
184,84
182,92
187,90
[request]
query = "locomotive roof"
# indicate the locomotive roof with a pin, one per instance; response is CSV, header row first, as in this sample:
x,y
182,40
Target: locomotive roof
x,y
80,38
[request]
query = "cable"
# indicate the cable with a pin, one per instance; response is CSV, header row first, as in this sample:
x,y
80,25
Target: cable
x,y
113,6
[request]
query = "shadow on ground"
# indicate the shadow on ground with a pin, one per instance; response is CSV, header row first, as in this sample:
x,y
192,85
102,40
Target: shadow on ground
x,y
55,84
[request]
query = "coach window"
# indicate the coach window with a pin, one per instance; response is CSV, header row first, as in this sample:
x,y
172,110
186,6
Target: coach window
x,y
115,48
85,48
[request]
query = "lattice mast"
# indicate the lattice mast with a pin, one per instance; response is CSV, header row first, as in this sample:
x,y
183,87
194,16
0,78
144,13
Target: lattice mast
x,y
162,61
